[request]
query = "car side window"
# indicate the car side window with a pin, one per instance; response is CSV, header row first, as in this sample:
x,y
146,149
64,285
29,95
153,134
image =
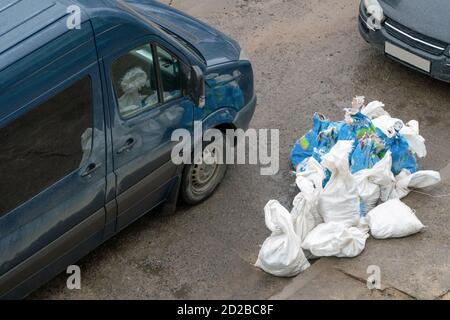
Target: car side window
x,y
169,66
45,145
134,80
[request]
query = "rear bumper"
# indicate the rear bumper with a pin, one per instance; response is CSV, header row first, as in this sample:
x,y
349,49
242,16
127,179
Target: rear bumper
x,y
244,117
440,64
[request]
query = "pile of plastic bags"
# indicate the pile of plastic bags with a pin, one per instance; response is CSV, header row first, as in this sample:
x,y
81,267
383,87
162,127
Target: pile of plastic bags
x,y
351,175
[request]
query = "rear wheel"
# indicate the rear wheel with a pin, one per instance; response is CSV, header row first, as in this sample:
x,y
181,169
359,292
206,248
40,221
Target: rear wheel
x,y
201,180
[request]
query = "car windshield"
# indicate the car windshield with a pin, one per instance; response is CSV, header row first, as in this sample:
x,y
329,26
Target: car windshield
x,y
185,44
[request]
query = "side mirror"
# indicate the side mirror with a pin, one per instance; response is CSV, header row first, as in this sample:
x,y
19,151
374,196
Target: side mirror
x,y
197,86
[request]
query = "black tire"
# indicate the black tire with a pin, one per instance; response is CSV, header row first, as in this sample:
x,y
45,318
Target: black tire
x,y
197,187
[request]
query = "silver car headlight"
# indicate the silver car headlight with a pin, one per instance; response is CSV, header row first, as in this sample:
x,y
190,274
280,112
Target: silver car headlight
x,y
374,10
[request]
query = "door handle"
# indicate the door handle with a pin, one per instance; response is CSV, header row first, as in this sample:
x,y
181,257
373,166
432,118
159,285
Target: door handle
x,y
128,146
90,169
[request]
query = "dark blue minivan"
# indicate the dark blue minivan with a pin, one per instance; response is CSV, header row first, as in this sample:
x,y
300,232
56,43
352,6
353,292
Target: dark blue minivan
x,y
87,111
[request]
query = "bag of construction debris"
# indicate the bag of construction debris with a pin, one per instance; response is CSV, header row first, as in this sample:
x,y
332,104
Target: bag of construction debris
x,y
281,254
305,212
406,181
318,141
365,155
335,239
416,142
393,219
370,182
402,157
374,109
313,172
339,200
409,131
355,127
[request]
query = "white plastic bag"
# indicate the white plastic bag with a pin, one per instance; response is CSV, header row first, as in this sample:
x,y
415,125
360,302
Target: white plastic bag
x,y
335,239
371,181
424,179
393,219
406,181
410,132
305,213
416,142
374,110
281,254
339,200
314,172
388,125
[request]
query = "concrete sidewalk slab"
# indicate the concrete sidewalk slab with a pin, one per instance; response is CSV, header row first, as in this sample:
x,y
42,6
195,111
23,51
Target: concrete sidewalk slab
x,y
325,281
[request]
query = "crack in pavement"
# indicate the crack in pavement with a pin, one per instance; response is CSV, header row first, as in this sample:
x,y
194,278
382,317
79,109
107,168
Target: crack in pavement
x,y
382,291
443,296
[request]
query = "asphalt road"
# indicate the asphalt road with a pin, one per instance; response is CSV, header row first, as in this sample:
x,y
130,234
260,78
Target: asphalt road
x,y
308,57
